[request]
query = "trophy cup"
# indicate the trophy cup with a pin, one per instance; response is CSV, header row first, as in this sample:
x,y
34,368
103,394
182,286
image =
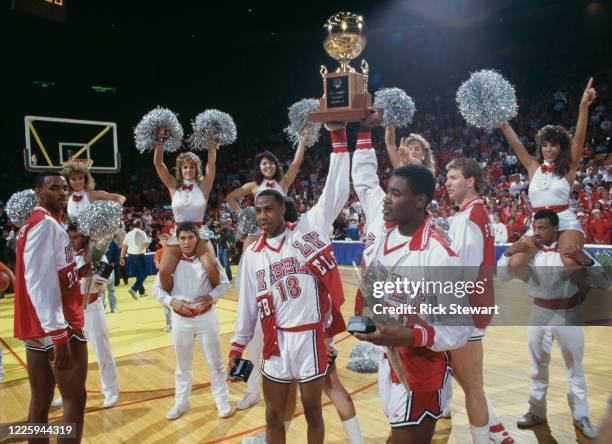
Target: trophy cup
x,y
345,92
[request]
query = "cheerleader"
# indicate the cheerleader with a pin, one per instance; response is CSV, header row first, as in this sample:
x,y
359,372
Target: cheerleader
x,y
413,149
268,175
189,192
550,180
81,188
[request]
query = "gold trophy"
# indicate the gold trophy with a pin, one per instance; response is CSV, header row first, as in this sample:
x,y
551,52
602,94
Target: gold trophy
x,y
345,92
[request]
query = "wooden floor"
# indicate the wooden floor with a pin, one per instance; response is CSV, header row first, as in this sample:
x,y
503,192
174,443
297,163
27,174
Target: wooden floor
x,y
146,376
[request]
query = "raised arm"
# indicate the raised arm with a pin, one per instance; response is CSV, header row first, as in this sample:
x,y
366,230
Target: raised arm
x,y
244,190
526,159
336,190
588,97
294,168
392,147
365,179
103,195
209,178
162,170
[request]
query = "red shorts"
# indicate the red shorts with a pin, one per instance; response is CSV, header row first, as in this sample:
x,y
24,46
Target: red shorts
x,y
407,408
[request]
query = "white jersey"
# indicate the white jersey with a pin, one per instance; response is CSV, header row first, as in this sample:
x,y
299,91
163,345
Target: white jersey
x,y
78,201
188,203
394,258
268,184
280,283
190,282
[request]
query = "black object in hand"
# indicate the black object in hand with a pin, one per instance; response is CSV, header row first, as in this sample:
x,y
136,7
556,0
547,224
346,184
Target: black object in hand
x,y
242,370
103,270
360,324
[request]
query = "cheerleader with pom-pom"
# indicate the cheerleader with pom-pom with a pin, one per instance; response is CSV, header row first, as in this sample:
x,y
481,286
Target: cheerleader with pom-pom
x,y
81,187
189,191
268,175
551,175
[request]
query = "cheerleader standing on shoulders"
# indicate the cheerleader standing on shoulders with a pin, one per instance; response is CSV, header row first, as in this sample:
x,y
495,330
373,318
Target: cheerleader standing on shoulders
x,y
189,192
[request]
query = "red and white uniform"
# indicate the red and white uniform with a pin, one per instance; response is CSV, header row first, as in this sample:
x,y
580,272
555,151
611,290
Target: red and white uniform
x,y
555,315
96,332
547,191
471,238
189,205
190,282
294,286
395,256
48,301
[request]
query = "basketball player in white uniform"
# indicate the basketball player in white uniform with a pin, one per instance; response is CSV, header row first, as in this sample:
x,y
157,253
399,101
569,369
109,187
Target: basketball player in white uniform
x,y
192,301
269,175
555,315
294,287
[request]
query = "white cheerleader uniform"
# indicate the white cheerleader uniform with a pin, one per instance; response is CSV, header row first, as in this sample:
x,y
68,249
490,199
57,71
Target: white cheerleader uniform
x,y
78,202
188,205
547,191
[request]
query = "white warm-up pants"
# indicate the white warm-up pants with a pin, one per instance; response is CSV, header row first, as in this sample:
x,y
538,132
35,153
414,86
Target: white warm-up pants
x,y
184,331
571,342
254,351
96,333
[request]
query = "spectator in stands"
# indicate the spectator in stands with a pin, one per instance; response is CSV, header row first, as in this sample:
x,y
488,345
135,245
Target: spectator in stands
x,y
599,228
500,232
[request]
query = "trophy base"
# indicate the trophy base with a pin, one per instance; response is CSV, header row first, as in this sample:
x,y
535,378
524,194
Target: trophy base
x,y
354,115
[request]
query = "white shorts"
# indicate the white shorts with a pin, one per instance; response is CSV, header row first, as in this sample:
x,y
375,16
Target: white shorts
x,y
477,335
202,233
407,408
301,359
567,221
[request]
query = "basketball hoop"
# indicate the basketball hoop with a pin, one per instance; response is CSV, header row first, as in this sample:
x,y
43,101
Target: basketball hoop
x,y
79,161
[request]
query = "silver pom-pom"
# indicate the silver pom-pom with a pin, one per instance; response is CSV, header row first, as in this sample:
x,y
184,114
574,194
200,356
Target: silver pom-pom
x,y
20,206
145,133
298,120
246,223
398,107
486,100
364,358
100,220
210,125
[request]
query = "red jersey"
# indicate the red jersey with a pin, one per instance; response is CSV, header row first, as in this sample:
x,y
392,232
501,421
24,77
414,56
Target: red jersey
x,y
48,299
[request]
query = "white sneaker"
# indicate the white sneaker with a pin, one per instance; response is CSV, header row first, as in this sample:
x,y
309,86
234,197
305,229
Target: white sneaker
x,y
178,410
259,438
584,425
110,401
248,401
58,402
224,409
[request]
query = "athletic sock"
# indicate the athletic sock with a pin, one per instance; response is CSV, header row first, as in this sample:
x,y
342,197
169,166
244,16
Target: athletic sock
x,y
353,431
480,435
493,419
